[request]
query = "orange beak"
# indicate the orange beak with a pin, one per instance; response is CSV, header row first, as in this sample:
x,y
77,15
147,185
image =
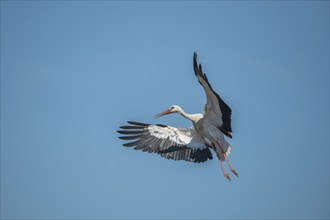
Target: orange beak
x,y
166,112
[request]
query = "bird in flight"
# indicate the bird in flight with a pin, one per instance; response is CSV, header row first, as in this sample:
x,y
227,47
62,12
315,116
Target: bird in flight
x,y
190,144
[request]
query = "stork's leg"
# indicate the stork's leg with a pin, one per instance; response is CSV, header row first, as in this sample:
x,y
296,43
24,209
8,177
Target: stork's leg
x,y
231,169
222,168
223,171
225,156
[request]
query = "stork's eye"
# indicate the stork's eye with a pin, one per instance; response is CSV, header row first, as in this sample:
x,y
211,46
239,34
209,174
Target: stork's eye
x,y
172,108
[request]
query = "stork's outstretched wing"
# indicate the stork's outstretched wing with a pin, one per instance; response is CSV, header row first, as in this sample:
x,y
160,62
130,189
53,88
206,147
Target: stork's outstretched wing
x,y
217,112
169,142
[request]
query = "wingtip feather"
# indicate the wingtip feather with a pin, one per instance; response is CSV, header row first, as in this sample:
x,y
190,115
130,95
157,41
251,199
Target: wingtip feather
x,y
137,123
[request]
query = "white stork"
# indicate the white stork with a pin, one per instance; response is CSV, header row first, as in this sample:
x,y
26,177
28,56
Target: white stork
x,y
191,144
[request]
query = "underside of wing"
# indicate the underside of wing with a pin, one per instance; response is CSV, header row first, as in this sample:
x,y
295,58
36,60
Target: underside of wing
x,y
168,142
215,107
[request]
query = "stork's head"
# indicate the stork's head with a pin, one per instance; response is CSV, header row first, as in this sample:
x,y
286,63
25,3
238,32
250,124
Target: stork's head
x,y
172,109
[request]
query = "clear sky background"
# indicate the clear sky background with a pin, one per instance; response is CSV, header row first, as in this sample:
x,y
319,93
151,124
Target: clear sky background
x,y
73,72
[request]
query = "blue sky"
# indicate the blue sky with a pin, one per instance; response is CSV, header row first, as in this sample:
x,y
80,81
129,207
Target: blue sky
x,y
73,72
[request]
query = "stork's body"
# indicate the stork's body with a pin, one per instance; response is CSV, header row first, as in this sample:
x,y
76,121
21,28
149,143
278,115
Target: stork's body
x,y
211,135
191,144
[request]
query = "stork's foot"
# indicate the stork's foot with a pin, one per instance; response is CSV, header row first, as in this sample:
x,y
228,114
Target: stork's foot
x,y
227,176
234,172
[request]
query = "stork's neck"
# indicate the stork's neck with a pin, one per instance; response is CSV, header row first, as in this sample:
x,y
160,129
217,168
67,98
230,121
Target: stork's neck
x,y
191,117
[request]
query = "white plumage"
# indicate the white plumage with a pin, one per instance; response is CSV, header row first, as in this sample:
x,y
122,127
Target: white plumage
x,y
191,144
169,142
